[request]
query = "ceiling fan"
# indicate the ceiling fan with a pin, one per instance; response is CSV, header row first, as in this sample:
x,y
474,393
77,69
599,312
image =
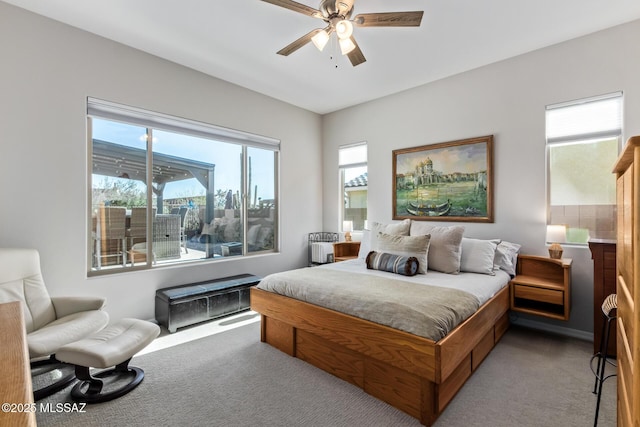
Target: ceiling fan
x,y
337,14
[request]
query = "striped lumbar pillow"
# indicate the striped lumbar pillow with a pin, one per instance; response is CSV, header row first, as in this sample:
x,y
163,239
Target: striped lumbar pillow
x,y
398,264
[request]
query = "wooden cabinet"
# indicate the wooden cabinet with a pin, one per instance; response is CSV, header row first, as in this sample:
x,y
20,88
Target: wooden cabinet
x,y
627,170
343,251
15,375
603,253
542,286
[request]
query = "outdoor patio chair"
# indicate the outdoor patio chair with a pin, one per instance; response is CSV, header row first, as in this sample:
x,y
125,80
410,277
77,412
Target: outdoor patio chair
x,y
110,234
137,231
183,236
182,211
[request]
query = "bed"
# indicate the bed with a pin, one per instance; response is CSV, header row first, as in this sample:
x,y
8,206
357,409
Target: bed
x,y
415,374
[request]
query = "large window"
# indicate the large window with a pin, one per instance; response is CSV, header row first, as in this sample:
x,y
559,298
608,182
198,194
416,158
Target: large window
x,y
583,141
353,185
165,190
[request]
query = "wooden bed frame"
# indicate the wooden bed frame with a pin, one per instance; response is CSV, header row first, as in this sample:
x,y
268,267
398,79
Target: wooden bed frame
x,y
414,374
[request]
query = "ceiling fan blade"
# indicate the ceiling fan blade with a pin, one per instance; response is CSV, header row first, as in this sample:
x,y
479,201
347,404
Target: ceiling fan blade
x,y
296,7
289,49
355,56
389,19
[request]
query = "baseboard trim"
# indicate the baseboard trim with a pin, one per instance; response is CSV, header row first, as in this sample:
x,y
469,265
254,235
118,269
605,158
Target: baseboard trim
x,y
560,330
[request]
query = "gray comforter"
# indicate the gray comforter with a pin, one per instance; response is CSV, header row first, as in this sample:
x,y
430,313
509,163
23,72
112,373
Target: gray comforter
x,y
423,310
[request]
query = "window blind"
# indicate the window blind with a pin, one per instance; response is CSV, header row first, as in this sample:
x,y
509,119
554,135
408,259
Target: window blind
x,y
353,155
137,116
591,118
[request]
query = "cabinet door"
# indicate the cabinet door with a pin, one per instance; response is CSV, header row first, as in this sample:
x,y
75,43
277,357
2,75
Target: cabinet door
x,y
627,282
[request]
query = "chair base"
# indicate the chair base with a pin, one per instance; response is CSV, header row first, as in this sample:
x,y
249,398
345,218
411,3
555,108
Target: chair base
x,y
94,384
55,387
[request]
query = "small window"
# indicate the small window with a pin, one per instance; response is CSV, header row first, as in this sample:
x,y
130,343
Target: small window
x,y
353,185
583,141
166,190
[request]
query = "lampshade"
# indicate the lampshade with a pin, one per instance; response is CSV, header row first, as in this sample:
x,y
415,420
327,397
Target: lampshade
x,y
556,233
344,29
320,39
346,46
347,227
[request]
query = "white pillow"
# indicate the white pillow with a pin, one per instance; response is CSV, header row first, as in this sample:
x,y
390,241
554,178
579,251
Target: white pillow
x,y
397,228
478,256
507,257
211,227
409,246
365,244
252,234
265,237
231,231
445,246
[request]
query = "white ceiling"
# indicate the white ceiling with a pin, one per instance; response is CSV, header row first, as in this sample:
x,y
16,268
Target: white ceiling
x,y
237,40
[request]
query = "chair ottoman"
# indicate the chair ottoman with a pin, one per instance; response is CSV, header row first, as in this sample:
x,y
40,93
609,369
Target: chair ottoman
x,y
113,346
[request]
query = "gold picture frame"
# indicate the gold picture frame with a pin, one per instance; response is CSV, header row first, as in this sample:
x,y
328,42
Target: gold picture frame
x,y
448,181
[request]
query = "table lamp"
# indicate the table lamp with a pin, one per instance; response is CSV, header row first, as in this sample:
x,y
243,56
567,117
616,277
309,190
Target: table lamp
x,y
347,227
556,234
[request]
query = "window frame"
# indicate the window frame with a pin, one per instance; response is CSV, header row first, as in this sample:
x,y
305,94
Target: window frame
x,y
342,167
109,111
577,138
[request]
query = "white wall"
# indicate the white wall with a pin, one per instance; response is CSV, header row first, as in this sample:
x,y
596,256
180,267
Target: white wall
x,y
48,69
508,100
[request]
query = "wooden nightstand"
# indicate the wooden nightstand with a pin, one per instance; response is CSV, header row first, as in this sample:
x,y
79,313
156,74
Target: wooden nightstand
x,y
343,251
542,286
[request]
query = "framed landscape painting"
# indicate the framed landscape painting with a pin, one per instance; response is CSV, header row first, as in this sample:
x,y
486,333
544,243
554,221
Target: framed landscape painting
x,y
449,181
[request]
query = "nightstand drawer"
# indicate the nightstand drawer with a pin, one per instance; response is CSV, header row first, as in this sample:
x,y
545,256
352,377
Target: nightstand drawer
x,y
543,295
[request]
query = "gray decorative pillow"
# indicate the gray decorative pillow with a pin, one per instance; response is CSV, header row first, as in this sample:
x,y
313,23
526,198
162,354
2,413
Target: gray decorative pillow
x,y
398,264
408,246
445,248
396,228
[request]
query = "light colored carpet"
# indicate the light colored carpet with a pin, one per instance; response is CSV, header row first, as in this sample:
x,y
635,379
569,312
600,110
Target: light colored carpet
x,y
232,379
533,379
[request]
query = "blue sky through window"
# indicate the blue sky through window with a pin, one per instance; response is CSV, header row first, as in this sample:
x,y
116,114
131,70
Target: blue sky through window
x,y
225,156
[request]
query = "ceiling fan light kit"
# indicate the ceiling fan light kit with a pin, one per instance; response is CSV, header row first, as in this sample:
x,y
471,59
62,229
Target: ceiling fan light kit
x,y
346,46
337,14
320,39
344,28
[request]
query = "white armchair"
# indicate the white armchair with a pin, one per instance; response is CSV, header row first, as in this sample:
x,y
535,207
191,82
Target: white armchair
x,y
50,322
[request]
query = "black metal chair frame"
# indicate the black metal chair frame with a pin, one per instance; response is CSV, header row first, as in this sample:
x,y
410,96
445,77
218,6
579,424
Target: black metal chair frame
x,y
601,355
